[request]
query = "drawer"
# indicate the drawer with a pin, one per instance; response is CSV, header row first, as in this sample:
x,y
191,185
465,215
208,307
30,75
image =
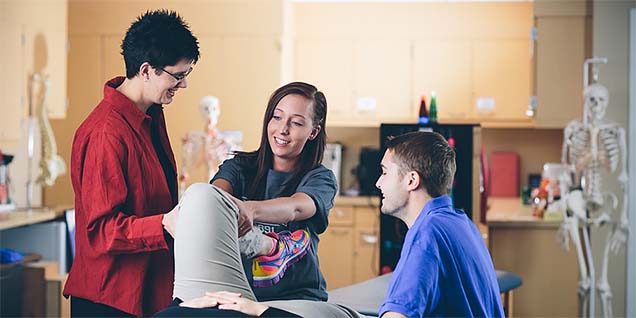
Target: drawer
x,y
341,215
368,216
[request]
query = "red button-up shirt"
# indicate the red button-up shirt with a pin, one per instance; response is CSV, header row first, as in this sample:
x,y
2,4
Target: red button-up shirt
x,y
122,258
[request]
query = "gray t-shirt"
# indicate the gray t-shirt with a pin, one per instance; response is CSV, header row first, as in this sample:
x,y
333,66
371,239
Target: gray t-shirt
x,y
303,280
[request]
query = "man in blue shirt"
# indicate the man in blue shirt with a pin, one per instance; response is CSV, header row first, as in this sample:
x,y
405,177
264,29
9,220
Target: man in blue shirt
x,y
444,269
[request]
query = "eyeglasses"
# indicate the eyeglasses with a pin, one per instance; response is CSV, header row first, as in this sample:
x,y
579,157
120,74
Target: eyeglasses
x,y
179,76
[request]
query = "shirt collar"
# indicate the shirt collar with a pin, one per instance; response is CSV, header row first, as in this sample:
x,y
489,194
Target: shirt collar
x,y
432,205
123,105
436,203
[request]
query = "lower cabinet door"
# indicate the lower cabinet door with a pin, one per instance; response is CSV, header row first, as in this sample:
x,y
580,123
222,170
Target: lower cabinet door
x,y
335,252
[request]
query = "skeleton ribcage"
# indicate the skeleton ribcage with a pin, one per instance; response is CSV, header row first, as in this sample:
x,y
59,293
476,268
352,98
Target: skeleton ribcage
x,y
591,157
579,141
609,146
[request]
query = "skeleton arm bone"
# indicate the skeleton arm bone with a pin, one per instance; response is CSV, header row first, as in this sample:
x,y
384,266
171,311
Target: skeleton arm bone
x,y
567,134
622,178
565,183
620,231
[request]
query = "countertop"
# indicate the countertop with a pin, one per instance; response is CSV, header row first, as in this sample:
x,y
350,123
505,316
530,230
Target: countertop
x,y
21,216
357,200
509,212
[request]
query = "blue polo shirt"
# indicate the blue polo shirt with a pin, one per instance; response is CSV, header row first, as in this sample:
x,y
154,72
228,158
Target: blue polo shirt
x,y
444,269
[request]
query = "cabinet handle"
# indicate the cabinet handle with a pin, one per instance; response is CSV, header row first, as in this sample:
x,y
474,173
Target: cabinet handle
x,y
339,231
339,213
532,107
369,238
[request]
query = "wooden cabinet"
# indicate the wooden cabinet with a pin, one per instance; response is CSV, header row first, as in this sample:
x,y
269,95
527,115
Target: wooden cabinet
x,y
451,81
563,44
316,61
11,85
366,237
336,247
348,250
502,73
375,73
382,76
362,89
497,70
368,82
528,247
34,38
549,274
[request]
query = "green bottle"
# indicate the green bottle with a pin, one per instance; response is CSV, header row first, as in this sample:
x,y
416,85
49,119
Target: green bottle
x,y
433,109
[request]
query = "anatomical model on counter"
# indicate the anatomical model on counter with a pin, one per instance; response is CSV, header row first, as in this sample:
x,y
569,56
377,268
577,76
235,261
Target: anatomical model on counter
x,y
590,145
217,146
51,164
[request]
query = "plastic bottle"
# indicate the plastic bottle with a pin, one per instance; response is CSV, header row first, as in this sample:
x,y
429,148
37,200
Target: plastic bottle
x,y
423,118
433,113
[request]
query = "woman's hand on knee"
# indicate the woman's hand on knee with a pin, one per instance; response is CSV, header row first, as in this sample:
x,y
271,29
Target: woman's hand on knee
x,y
246,216
234,301
201,302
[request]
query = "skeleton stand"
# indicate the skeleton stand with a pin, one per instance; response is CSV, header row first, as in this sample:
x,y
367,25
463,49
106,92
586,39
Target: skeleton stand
x,y
590,145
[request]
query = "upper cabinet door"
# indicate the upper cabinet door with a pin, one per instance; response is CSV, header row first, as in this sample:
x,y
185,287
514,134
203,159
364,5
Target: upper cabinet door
x,y
46,49
382,81
366,81
34,39
13,81
328,64
561,47
445,68
502,79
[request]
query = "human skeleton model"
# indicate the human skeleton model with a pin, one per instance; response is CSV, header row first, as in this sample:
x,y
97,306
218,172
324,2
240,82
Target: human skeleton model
x,y
590,146
51,164
216,146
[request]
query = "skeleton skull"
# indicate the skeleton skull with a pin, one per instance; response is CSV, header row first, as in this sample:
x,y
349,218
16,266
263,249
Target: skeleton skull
x,y
210,109
596,100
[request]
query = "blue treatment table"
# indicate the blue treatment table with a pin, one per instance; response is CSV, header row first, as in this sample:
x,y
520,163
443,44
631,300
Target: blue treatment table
x,y
366,297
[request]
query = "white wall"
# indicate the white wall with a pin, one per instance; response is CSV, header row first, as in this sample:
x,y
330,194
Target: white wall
x,y
611,40
631,255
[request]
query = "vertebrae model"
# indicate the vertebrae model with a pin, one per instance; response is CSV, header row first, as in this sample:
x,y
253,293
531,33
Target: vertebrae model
x,y
51,165
591,145
217,147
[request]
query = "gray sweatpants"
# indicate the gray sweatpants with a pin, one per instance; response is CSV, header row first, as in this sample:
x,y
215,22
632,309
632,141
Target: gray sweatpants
x,y
208,253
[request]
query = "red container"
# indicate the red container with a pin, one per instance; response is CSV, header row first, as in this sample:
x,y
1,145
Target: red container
x,y
504,174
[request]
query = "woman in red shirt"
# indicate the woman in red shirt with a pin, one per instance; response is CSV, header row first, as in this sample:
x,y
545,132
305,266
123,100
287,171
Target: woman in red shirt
x,y
124,177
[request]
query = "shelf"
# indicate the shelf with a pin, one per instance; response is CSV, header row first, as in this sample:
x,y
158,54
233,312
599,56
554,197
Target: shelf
x,y
357,200
509,212
20,217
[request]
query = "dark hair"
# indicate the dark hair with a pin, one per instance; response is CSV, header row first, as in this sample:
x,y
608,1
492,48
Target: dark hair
x,y
428,154
159,37
311,155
